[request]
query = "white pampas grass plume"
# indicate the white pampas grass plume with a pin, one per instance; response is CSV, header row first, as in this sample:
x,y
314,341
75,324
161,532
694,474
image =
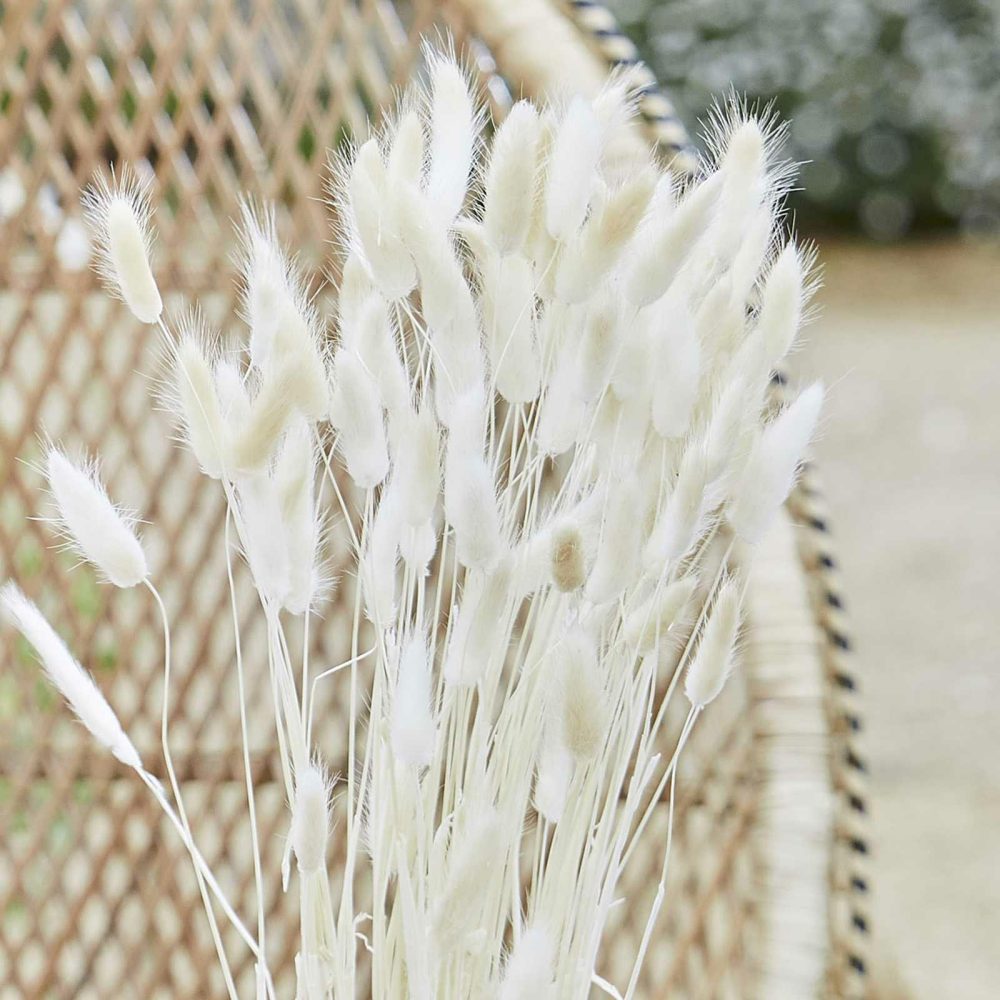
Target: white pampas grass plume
x,y
412,723
676,369
567,557
584,700
389,261
713,661
617,561
572,169
656,619
310,820
417,472
72,681
118,214
453,127
264,541
782,302
530,966
201,415
356,414
101,532
510,179
770,471
665,248
604,236
294,476
470,502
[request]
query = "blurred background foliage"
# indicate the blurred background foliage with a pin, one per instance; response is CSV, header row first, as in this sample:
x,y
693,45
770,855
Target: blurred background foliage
x,y
893,105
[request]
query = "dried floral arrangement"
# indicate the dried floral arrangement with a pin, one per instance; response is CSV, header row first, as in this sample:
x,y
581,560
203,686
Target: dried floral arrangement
x,y
540,417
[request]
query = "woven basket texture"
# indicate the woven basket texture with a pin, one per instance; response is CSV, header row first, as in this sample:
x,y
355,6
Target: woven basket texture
x,y
97,899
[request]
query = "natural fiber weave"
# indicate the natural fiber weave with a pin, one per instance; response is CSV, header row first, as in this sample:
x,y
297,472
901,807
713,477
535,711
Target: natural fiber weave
x,y
96,897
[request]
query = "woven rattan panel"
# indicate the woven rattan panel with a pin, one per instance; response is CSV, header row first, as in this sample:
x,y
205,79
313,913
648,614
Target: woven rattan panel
x,y
96,897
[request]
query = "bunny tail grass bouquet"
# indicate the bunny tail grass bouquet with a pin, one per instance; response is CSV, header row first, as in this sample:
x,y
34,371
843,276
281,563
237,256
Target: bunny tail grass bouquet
x,y
540,416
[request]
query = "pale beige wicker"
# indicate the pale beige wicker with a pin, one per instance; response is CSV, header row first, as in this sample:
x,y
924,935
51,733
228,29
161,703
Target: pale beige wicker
x,y
216,96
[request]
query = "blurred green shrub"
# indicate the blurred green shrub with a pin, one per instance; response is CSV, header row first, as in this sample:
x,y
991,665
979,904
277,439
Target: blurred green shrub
x,y
893,104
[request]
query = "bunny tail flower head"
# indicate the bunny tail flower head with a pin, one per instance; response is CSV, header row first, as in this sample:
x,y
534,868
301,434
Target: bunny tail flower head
x,y
713,662
770,470
118,214
72,681
311,820
92,524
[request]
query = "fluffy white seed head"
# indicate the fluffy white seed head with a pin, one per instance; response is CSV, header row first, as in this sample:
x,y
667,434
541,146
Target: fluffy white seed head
x,y
356,414
567,557
510,179
659,619
118,215
475,851
264,540
572,169
412,724
380,558
744,172
255,442
782,302
374,339
553,775
481,630
198,402
268,284
509,321
310,820
407,151
683,517
604,236
418,466
584,699
676,368
664,253
617,561
453,128
530,967
234,402
596,355
72,681
770,470
713,661
470,502
294,476
101,532
376,234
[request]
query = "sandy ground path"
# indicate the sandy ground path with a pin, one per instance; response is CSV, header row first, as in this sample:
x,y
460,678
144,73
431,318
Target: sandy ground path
x,y
909,341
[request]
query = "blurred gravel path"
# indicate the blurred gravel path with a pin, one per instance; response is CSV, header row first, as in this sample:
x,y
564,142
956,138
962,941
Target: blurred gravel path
x,y
909,342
